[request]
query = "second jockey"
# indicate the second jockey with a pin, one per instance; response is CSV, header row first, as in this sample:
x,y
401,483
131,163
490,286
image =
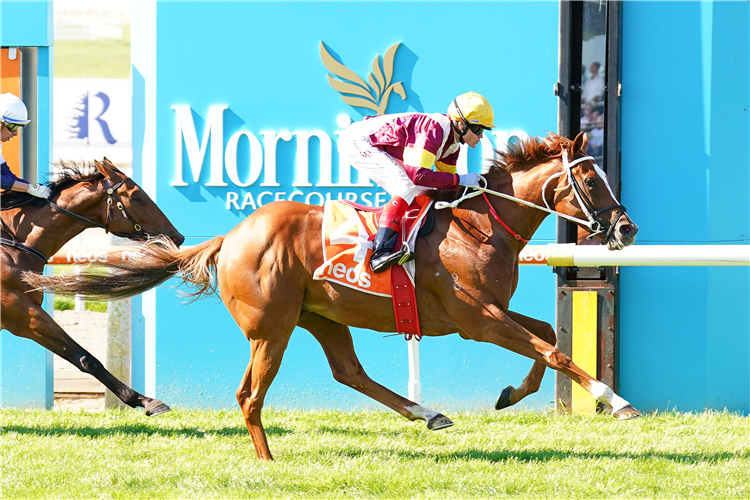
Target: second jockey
x,y
399,151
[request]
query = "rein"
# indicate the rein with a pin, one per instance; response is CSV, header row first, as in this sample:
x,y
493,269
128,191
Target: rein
x,y
497,218
593,224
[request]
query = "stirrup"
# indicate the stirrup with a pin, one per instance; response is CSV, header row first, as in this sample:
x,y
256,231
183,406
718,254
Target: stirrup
x,y
406,253
389,260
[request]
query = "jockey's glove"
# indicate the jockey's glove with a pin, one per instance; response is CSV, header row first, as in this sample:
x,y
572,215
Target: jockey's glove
x,y
39,190
469,180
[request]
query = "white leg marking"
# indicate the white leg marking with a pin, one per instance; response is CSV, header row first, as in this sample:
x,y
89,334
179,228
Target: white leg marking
x,y
422,412
606,395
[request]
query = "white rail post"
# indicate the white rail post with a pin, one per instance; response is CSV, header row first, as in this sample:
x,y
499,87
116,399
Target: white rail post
x,y
118,346
415,385
80,304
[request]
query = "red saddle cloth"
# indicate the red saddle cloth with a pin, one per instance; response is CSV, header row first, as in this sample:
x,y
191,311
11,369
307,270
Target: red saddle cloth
x,y
347,233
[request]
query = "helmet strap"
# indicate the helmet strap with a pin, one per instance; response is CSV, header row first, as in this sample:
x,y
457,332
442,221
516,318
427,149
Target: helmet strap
x,y
461,133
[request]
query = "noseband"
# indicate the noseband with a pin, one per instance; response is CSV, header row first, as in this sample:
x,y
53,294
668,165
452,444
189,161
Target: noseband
x,y
111,195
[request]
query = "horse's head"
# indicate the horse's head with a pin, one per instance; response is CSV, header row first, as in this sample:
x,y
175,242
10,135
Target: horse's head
x,y
130,211
584,192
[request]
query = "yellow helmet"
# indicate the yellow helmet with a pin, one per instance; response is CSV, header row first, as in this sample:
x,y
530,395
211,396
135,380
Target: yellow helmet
x,y
472,109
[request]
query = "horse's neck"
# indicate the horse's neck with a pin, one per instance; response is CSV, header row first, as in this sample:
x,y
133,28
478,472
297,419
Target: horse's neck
x,y
41,227
525,185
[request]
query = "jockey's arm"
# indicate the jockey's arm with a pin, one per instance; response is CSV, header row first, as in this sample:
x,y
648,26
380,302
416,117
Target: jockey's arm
x,y
418,166
9,181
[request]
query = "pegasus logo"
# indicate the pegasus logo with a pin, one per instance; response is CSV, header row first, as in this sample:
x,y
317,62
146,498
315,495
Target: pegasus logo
x,y
355,91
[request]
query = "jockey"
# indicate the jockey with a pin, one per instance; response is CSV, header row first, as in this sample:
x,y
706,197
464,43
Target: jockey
x,y
398,152
13,116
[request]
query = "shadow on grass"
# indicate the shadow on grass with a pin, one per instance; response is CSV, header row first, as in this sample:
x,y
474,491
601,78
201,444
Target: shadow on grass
x,y
549,455
144,430
338,431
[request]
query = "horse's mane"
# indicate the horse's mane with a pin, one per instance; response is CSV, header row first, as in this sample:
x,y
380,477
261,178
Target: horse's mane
x,y
69,173
520,155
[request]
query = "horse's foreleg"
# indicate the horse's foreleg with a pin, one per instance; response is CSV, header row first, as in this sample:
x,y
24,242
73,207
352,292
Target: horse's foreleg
x,y
42,329
265,361
512,395
336,341
502,330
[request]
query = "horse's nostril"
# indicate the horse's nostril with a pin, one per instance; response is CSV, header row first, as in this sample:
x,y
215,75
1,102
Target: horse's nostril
x,y
626,229
178,240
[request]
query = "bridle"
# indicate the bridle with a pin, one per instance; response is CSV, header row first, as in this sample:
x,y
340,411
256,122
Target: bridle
x,y
111,195
595,222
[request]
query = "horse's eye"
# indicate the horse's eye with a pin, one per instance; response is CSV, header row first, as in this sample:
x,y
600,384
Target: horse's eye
x,y
590,182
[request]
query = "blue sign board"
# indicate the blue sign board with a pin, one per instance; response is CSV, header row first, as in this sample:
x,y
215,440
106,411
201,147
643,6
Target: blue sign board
x,y
238,104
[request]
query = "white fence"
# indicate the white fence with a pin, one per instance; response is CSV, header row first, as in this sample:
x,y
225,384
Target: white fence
x,y
86,32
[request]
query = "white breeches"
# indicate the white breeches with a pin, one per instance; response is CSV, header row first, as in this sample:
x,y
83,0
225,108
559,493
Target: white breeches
x,y
355,146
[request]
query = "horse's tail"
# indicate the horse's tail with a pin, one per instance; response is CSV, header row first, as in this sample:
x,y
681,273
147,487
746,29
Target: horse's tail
x,y
151,265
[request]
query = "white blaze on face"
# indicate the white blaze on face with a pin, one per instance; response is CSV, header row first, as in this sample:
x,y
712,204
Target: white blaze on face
x,y
603,175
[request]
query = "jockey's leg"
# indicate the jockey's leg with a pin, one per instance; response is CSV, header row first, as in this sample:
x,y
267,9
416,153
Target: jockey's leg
x,y
389,225
356,147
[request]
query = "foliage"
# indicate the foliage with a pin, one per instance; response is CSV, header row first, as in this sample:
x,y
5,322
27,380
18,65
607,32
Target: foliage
x,y
101,58
66,303
333,454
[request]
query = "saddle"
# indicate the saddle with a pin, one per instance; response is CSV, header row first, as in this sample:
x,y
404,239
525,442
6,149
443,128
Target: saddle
x,y
347,233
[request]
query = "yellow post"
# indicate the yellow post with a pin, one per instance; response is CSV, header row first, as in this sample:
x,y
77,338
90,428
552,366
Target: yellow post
x,y
584,347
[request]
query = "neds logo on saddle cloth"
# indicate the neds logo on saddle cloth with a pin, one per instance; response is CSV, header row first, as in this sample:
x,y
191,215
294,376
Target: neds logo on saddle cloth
x,y
347,245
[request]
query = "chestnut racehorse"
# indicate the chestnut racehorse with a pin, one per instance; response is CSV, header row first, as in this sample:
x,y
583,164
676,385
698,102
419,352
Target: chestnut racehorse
x,y
466,274
34,229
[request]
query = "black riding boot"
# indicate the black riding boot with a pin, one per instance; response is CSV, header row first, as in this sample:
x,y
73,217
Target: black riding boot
x,y
383,256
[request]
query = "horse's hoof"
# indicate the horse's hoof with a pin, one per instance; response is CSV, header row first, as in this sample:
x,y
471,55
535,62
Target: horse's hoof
x,y
439,421
504,400
626,413
155,407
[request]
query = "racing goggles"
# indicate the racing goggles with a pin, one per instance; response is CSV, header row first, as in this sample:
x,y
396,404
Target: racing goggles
x,y
478,129
12,126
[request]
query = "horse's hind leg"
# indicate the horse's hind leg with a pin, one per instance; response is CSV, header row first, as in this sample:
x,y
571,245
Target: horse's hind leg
x,y
265,361
336,341
42,329
512,395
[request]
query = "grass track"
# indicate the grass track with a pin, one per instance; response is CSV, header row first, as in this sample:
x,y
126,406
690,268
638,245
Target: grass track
x,y
330,454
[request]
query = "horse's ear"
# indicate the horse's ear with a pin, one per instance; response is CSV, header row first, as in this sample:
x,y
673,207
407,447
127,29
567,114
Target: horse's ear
x,y
108,170
100,168
111,165
580,144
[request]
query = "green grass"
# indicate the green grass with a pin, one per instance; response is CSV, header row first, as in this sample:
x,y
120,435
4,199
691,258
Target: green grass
x,y
66,303
331,454
102,58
